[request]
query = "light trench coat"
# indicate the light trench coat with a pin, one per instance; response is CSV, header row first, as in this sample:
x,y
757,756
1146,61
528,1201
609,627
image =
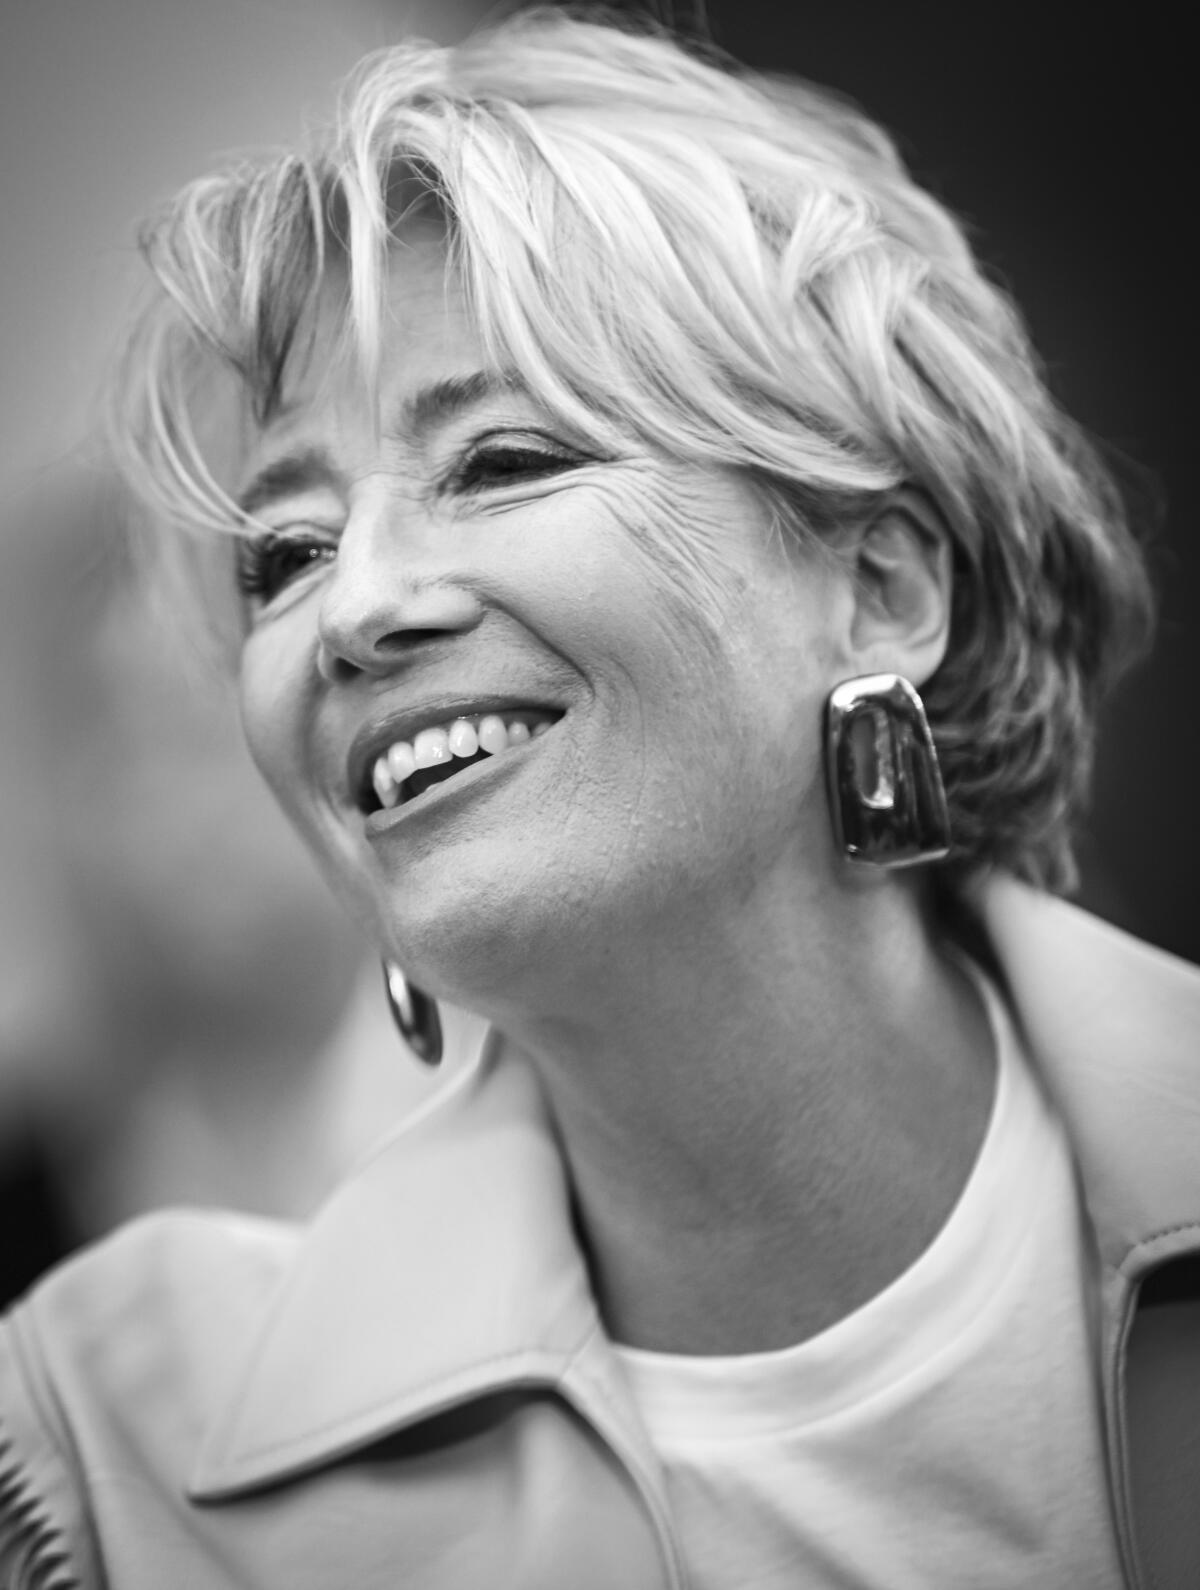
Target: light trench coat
x,y
416,1391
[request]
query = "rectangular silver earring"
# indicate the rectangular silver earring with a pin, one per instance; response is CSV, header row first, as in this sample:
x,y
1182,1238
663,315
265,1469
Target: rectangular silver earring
x,y
885,786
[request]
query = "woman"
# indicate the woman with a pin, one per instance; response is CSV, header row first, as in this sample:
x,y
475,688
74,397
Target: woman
x,y
674,614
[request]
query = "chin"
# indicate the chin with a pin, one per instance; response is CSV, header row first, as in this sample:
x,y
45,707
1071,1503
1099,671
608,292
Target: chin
x,y
478,936
514,947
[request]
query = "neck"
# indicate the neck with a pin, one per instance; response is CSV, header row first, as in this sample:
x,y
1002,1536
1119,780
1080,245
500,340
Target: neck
x,y
765,1127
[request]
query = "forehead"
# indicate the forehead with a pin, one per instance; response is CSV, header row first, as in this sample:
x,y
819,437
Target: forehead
x,y
415,356
418,319
425,307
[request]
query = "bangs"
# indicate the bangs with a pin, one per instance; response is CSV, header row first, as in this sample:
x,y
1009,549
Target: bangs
x,y
635,284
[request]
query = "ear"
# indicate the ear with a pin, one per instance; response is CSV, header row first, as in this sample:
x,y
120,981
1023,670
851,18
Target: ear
x,y
901,567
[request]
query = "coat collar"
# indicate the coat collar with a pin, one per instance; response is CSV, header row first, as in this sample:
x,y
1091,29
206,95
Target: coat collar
x,y
1114,1027
447,1267
444,1268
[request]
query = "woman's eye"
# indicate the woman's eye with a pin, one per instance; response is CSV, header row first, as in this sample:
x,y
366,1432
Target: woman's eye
x,y
508,463
269,561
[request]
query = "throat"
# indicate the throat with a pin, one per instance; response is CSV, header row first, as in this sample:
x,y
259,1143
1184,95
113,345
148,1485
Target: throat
x,y
763,1177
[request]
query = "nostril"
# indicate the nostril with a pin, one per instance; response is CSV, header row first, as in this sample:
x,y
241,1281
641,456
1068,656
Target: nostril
x,y
333,667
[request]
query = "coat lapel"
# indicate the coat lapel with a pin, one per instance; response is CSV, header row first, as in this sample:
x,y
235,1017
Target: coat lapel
x,y
444,1268
1114,1026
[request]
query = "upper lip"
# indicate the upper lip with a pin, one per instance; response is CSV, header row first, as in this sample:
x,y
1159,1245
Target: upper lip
x,y
374,738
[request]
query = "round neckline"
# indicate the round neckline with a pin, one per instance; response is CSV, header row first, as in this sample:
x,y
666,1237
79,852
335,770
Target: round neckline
x,y
902,1327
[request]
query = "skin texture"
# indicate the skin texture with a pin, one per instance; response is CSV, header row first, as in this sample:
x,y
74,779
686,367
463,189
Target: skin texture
x,y
768,1080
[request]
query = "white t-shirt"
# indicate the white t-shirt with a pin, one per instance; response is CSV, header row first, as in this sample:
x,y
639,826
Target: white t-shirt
x,y
945,1436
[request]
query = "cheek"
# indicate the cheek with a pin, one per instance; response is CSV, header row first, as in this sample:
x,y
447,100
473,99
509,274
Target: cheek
x,y
270,711
713,638
687,534
718,603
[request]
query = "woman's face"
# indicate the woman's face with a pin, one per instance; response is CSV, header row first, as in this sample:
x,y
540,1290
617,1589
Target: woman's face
x,y
470,559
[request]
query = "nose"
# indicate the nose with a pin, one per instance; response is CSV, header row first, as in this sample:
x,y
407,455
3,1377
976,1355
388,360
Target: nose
x,y
387,592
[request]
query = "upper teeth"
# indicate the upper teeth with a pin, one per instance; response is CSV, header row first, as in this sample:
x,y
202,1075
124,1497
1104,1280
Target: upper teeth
x,y
462,737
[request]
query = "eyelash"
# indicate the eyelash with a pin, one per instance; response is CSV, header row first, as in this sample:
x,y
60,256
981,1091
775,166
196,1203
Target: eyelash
x,y
492,463
261,573
262,570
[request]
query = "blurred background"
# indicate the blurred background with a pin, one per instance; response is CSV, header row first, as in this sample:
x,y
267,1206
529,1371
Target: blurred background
x,y
184,1016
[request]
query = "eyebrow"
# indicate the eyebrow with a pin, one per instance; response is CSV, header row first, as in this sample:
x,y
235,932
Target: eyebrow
x,y
287,476
446,399
428,407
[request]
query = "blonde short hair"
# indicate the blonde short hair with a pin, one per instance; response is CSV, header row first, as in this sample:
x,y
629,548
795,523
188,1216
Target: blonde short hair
x,y
738,268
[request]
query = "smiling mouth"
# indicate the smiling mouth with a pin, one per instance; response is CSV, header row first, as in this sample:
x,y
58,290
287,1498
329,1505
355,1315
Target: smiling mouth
x,y
407,769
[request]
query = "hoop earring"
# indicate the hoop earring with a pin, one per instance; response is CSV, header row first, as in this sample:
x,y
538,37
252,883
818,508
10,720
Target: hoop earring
x,y
415,1014
885,787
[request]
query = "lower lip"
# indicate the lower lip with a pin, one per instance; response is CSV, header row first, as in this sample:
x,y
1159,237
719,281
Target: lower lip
x,y
438,796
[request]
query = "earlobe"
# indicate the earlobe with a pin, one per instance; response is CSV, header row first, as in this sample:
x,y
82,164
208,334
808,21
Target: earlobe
x,y
902,588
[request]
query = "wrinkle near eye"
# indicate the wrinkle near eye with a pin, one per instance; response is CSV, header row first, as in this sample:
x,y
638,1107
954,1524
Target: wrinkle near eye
x,y
673,518
504,500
